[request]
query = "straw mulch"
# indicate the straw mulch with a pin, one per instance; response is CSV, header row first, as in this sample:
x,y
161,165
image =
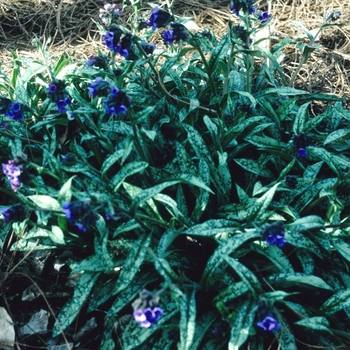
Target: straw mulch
x,y
69,25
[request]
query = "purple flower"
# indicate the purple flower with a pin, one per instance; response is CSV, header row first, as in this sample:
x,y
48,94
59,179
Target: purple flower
x,y
124,46
148,317
269,324
13,174
271,239
15,213
4,125
109,13
159,18
62,104
302,153
108,217
98,87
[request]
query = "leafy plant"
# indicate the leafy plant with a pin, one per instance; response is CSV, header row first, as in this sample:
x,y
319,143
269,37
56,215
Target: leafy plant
x,y
210,204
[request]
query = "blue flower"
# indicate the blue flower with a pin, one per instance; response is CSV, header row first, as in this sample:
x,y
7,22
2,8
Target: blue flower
x,y
4,125
148,317
16,213
244,5
274,234
52,88
159,18
80,227
108,40
124,46
264,17
62,104
148,47
269,324
302,153
98,87
168,36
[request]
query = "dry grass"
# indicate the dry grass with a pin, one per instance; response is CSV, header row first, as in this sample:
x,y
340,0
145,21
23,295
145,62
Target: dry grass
x,y
69,24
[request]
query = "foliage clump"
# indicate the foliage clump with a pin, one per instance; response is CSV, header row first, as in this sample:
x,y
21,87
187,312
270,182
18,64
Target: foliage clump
x,y
206,197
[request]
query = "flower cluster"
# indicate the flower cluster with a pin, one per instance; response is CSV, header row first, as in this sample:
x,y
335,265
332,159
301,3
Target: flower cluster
x,y
56,92
159,18
99,61
98,87
13,110
179,32
146,310
80,214
148,47
117,102
13,173
274,234
242,5
115,42
16,212
109,14
300,142
242,34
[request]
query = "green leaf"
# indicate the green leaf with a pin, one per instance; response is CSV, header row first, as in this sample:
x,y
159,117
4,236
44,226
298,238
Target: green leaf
x,y
165,241
133,262
283,91
110,161
185,162
125,171
233,291
129,294
225,249
306,223
71,310
335,135
165,270
300,118
245,274
203,324
187,320
219,50
65,193
299,240
241,324
126,227
304,29
253,167
57,235
212,227
294,279
285,336
316,323
46,202
336,302
94,263
118,126
342,247
327,157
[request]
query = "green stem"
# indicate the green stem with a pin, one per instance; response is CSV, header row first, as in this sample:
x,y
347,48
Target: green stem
x,y
247,57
